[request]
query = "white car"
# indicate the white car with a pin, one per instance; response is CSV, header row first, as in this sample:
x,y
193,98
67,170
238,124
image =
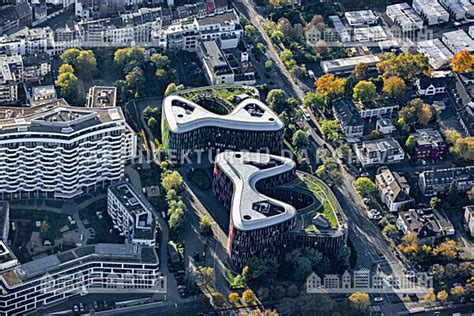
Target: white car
x,y
378,299
370,215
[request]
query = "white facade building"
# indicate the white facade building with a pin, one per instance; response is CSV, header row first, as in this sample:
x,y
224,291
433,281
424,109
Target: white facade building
x,y
58,151
459,9
405,17
438,54
457,41
131,214
431,11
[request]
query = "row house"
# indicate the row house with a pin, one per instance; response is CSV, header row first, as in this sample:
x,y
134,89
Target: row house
x,y
394,190
437,181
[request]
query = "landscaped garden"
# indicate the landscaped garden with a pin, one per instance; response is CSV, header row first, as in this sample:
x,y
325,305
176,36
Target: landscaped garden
x,y
50,228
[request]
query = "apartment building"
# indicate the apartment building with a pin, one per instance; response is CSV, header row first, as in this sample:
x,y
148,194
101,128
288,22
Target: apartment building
x,y
361,18
265,222
250,126
352,124
437,53
379,151
58,151
27,41
131,214
11,75
457,41
427,224
404,17
459,9
429,144
431,11
14,17
105,268
394,190
36,67
437,181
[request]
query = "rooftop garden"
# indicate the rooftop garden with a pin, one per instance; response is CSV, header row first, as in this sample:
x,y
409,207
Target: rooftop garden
x,y
329,207
225,95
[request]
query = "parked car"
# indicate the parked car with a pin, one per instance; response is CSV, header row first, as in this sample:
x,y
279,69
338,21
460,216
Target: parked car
x,y
378,299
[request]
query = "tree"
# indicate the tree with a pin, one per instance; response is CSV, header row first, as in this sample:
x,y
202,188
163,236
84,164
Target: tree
x,y
44,227
361,70
390,230
276,100
262,268
86,64
245,272
205,225
364,186
250,32
405,65
442,296
161,63
463,148
452,136
277,36
328,171
313,100
65,68
430,296
434,202
462,62
233,297
67,83
248,296
330,129
410,143
173,88
268,65
343,151
425,114
128,58
359,300
410,244
447,249
70,55
136,80
173,180
364,91
206,277
217,299
394,87
300,139
330,86
303,261
457,291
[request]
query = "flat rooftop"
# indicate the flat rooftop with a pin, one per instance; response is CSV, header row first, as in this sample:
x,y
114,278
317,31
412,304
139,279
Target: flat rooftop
x,y
458,40
183,115
100,96
56,116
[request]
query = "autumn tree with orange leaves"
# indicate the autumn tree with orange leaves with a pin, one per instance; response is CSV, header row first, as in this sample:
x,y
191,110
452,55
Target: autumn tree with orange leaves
x,y
462,62
394,87
410,244
330,86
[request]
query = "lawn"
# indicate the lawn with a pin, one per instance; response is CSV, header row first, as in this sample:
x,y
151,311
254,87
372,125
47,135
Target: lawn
x,y
326,197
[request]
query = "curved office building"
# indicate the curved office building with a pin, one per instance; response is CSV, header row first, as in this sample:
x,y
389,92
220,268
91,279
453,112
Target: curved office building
x,y
250,126
58,151
267,208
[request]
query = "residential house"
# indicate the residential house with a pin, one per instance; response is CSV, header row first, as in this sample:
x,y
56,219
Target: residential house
x,y
14,17
469,219
36,67
385,126
11,75
346,113
429,144
379,151
437,181
427,224
394,190
432,86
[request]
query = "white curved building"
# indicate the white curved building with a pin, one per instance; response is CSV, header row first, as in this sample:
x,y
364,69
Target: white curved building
x,y
250,126
266,209
58,151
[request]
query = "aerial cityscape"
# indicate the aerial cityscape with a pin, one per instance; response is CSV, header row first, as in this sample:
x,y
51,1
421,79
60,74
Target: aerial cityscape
x,y
236,157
